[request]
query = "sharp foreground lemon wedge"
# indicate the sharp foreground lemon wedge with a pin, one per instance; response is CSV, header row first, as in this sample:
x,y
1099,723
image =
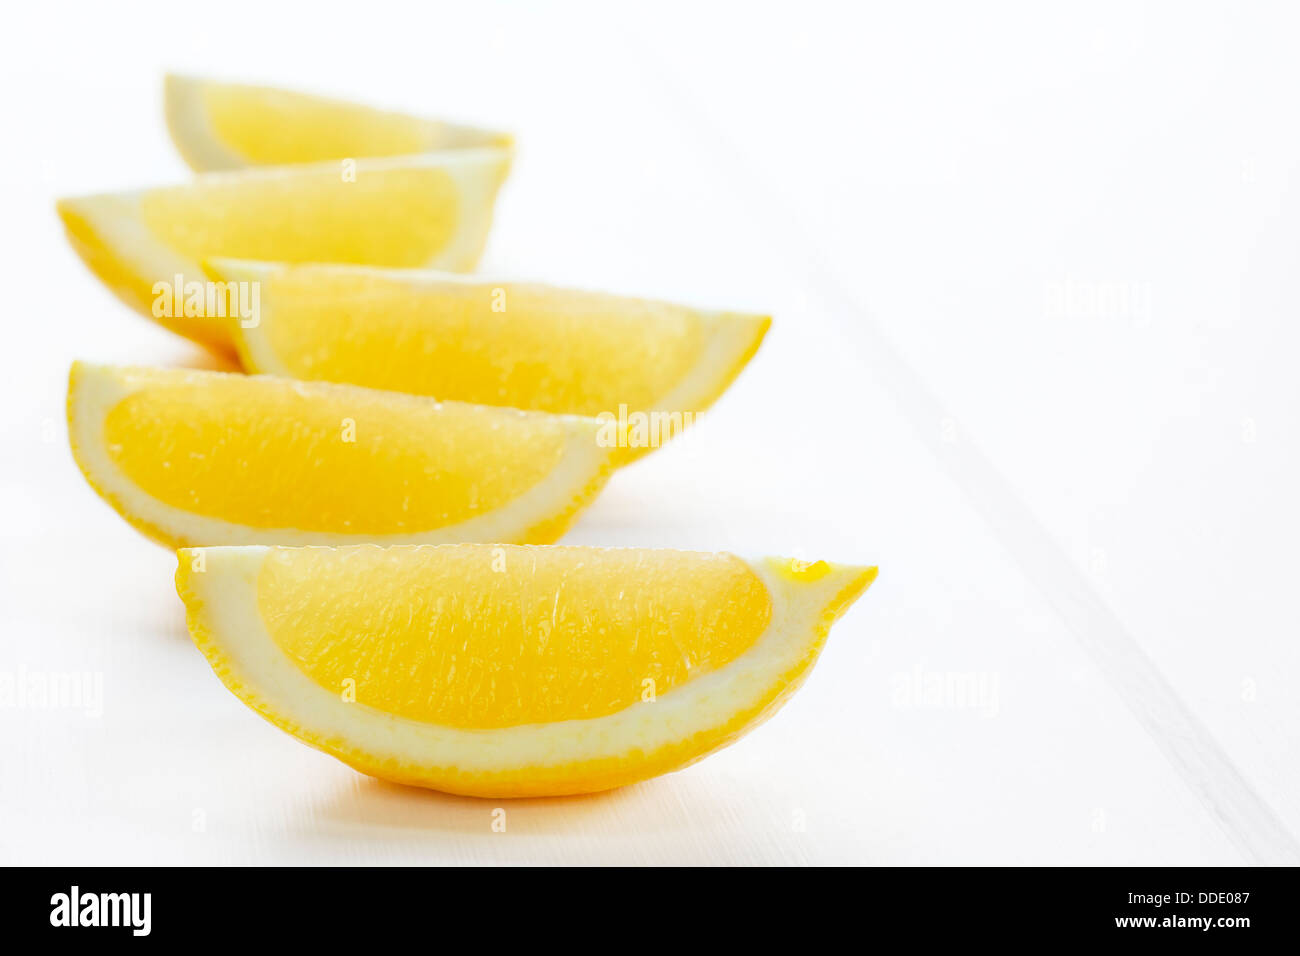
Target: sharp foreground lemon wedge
x,y
494,342
220,126
506,671
214,458
430,211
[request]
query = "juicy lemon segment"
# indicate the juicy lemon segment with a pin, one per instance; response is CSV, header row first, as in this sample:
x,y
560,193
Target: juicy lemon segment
x,y
219,126
503,671
371,445
509,636
207,456
525,345
319,217
431,211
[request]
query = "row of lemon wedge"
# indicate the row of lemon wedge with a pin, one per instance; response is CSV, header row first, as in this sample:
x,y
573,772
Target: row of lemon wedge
x,y
435,431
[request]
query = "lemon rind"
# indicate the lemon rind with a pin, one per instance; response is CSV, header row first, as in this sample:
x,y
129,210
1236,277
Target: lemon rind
x,y
566,757
191,131
539,515
732,338
109,234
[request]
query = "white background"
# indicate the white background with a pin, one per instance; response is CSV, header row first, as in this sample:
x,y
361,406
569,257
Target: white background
x,y
1033,272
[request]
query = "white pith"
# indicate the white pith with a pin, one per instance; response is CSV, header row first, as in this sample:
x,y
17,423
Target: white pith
x,y
99,388
729,335
187,119
115,218
270,681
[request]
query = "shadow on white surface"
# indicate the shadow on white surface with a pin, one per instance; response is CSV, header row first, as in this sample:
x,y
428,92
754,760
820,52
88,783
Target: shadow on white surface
x,y
684,818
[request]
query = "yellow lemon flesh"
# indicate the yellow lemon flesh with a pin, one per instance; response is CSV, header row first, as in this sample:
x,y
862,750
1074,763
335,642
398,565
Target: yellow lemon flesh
x,y
427,211
221,126
209,457
505,671
520,344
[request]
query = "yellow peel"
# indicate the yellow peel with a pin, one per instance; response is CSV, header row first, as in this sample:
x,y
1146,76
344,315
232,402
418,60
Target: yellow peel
x,y
429,211
493,341
212,457
221,126
505,672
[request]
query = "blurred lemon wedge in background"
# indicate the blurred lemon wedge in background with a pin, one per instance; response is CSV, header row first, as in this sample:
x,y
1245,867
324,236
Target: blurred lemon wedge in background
x,y
208,457
430,211
494,342
505,671
219,126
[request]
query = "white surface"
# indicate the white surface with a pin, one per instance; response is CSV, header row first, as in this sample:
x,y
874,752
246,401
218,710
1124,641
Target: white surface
x,y
1088,507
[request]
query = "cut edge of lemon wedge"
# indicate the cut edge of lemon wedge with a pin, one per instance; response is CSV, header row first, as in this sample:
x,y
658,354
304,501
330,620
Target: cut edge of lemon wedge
x,y
540,514
219,589
108,230
189,124
732,338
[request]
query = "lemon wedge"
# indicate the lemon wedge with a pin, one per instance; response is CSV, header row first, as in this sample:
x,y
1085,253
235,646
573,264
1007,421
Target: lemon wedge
x,y
495,342
503,671
209,457
430,211
220,126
